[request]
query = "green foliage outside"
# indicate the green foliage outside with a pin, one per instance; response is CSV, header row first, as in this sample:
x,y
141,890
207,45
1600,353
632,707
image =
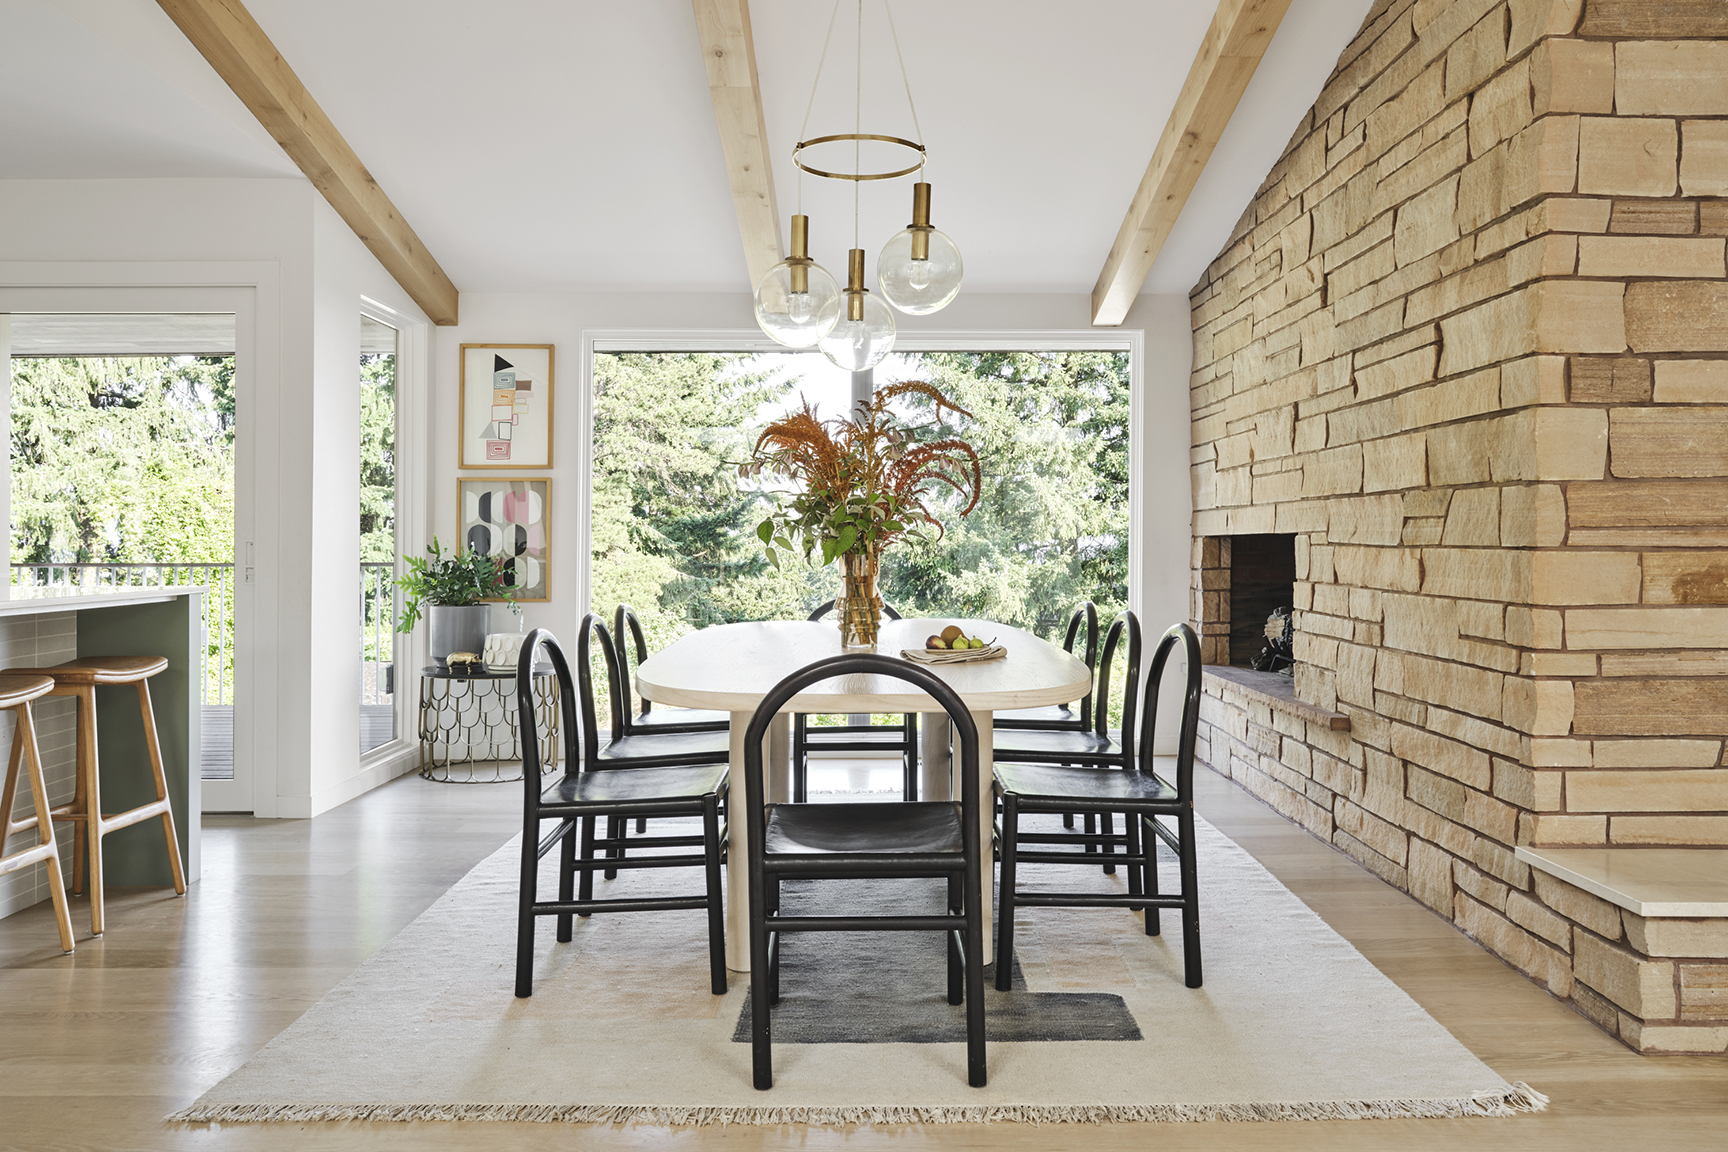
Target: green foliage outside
x,y
129,460
673,527
123,460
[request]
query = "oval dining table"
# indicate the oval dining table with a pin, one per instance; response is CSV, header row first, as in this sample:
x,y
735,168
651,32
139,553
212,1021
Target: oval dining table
x,y
732,667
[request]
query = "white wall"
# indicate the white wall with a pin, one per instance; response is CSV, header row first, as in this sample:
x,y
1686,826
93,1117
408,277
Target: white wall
x,y
299,420
561,320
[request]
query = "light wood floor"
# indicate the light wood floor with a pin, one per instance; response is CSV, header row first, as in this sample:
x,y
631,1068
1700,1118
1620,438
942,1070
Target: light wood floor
x,y
96,1048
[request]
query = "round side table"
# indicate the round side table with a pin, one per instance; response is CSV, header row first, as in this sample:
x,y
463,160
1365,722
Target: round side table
x,y
468,729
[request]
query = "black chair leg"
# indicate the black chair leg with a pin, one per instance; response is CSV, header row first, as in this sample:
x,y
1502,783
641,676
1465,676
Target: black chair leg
x,y
527,891
1190,898
566,880
761,1039
1147,832
716,913
976,1074
614,831
585,886
956,963
1107,825
778,942
1067,819
641,825
1131,829
1005,897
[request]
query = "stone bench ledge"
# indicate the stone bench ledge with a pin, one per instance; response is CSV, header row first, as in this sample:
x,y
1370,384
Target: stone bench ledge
x,y
1277,692
1651,882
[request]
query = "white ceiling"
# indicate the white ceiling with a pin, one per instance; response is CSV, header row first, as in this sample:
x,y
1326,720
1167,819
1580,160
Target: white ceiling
x,y
570,145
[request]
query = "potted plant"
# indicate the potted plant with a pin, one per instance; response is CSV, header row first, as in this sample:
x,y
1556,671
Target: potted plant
x,y
865,483
452,589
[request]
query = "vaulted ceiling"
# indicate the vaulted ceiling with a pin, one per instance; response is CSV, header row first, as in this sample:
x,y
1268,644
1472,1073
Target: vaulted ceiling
x,y
570,145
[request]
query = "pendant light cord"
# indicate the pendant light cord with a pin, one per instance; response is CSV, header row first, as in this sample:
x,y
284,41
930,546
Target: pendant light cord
x,y
916,130
857,121
804,130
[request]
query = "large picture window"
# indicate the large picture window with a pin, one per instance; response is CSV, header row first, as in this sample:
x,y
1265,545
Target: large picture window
x,y
673,526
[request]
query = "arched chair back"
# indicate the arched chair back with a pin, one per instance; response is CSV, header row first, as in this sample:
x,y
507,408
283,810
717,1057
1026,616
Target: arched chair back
x,y
631,645
1125,629
886,840
569,734
1060,717
887,610
1085,615
593,629
855,736
585,794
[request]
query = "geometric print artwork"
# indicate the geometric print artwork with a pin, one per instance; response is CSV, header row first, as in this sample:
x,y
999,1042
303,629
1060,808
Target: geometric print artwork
x,y
506,406
507,519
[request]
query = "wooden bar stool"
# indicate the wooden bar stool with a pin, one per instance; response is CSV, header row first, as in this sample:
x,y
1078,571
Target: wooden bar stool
x,y
16,692
80,678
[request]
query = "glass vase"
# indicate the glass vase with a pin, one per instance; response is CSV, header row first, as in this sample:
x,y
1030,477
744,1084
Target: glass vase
x,y
858,607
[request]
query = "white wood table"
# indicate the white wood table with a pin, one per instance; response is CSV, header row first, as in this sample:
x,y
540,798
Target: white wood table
x,y
732,667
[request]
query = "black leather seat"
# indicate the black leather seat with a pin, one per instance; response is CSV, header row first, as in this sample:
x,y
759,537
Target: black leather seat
x,y
938,839
818,830
867,737
590,790
1148,800
628,637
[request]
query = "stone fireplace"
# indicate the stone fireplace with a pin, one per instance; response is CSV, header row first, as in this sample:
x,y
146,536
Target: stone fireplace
x,y
1467,352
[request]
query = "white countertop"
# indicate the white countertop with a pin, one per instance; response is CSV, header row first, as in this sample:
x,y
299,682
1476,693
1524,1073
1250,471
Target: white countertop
x,y
26,601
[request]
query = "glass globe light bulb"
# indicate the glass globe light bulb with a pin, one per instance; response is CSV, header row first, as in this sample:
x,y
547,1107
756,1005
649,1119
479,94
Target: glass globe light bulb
x,y
791,301
856,345
919,286
792,297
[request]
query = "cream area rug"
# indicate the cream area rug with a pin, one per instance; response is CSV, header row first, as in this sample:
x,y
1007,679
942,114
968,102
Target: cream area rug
x,y
1292,1023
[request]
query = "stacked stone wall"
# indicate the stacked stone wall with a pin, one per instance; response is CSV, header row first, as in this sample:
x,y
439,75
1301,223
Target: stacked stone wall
x,y
1470,344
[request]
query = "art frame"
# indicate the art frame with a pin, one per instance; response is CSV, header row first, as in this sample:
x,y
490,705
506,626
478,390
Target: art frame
x,y
509,517
504,406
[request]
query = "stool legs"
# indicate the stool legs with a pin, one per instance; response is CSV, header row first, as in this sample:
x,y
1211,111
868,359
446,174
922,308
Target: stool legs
x,y
24,755
86,806
161,787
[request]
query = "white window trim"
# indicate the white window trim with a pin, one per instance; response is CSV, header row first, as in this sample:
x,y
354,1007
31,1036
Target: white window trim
x,y
413,518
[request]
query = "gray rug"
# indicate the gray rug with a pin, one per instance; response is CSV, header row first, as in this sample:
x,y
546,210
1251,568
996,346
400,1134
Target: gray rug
x,y
1292,1024
892,987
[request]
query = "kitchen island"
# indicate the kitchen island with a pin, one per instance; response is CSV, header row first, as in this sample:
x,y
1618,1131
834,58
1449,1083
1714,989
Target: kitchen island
x,y
45,626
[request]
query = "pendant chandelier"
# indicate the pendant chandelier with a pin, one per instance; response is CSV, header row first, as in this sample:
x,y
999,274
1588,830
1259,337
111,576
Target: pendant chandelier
x,y
918,271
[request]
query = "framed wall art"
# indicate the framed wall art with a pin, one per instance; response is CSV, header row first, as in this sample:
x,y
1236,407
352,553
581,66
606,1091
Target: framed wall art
x,y
508,519
506,406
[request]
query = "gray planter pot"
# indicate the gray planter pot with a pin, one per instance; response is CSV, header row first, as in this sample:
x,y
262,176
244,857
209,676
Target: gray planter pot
x,y
456,629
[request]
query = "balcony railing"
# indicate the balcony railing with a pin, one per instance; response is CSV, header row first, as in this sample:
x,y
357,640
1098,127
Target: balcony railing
x,y
378,611
217,675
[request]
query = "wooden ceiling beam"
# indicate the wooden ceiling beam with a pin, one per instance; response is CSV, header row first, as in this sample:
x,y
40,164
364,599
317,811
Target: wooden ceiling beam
x,y
230,39
1240,33
730,57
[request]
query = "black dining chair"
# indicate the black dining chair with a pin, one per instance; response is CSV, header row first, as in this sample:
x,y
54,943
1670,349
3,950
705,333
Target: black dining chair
x,y
616,791
853,737
1062,717
896,840
1095,746
650,749
1138,791
628,637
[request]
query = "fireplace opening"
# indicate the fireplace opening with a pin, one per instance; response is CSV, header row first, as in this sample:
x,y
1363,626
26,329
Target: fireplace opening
x,y
1262,581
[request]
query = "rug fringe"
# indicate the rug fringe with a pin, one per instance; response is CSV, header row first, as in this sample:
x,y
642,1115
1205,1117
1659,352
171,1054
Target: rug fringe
x,y
1519,1098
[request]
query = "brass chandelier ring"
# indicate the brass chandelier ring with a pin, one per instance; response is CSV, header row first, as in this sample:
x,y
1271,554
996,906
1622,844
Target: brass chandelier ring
x,y
803,144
